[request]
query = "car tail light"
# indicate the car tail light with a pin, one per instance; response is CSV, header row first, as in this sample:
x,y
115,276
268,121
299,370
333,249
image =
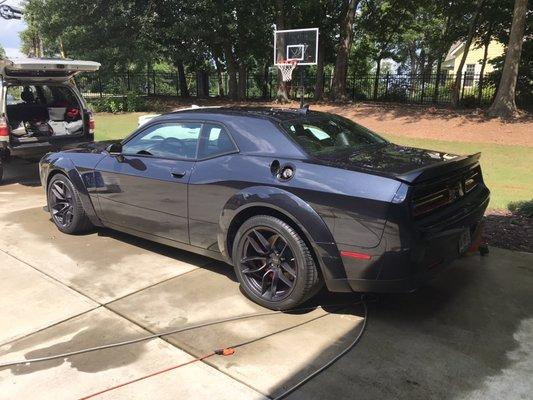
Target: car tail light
x,y
472,180
90,122
430,202
4,129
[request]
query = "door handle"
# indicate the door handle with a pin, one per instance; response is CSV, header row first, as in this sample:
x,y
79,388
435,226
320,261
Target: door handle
x,y
178,174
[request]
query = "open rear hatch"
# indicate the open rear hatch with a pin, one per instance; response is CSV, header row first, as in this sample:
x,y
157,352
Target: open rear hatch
x,y
43,69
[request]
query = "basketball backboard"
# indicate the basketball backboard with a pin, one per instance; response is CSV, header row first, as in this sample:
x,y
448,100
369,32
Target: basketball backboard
x,y
300,45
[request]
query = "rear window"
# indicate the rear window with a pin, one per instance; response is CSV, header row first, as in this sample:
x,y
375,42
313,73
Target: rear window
x,y
51,95
328,136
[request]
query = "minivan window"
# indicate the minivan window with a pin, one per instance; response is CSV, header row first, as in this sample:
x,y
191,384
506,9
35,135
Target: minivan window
x,y
324,136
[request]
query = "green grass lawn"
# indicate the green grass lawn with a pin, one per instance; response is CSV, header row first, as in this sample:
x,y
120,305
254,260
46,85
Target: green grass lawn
x,y
115,126
507,170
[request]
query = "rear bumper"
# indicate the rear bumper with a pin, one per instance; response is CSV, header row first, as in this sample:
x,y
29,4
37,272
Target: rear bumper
x,y
397,267
39,149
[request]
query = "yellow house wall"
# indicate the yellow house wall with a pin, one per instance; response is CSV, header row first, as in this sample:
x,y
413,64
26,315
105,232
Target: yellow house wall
x,y
475,56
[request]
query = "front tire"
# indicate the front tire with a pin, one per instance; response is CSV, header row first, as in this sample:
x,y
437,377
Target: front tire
x,y
273,264
65,206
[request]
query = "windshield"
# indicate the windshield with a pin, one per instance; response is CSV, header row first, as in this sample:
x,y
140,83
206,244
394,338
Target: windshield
x,y
329,135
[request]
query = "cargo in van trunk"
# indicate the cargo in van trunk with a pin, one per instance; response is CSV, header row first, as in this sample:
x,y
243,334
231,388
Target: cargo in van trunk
x,y
39,112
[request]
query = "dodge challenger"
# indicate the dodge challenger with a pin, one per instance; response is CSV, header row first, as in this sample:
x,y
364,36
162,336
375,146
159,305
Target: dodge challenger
x,y
293,199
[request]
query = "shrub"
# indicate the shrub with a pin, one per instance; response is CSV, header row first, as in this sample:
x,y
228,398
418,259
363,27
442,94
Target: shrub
x,y
524,208
131,102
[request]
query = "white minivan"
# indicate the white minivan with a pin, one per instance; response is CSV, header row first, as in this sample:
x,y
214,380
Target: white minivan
x,y
41,109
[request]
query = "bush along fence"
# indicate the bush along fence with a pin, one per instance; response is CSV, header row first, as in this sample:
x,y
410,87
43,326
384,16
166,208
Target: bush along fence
x,y
475,90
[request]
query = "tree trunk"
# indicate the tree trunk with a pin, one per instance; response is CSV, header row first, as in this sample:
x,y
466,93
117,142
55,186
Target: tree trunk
x,y
202,80
504,104
483,64
242,81
319,81
219,68
281,95
469,38
442,48
264,83
338,89
184,90
437,79
376,79
232,71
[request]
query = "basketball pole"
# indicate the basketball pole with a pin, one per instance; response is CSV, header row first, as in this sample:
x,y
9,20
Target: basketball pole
x,y
302,86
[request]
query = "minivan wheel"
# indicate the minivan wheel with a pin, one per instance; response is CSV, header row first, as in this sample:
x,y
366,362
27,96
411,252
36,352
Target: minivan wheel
x,y
65,206
273,264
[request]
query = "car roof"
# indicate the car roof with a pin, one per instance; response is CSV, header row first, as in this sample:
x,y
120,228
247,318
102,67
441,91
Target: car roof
x,y
273,114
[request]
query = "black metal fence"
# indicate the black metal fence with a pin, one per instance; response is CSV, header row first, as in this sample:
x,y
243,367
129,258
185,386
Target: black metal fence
x,y
403,88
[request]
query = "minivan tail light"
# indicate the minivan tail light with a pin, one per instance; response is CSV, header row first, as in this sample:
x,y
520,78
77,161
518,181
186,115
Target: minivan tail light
x,y
4,130
90,123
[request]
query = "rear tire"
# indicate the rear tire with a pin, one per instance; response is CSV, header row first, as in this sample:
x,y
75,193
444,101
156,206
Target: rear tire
x,y
273,264
65,206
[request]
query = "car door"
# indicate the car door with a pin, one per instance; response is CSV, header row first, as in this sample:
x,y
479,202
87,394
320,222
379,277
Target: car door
x,y
211,185
145,187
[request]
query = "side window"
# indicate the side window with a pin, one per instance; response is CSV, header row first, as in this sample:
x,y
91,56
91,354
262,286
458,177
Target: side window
x,y
215,140
170,140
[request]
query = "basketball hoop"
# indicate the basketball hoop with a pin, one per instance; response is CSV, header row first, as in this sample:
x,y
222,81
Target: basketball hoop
x,y
286,68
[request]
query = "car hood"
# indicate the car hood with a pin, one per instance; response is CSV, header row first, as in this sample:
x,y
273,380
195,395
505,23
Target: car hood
x,y
401,162
90,147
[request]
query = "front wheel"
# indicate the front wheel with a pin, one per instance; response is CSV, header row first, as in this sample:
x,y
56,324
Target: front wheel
x,y
273,264
65,206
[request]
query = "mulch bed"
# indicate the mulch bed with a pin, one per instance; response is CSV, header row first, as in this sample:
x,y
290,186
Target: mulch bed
x,y
508,231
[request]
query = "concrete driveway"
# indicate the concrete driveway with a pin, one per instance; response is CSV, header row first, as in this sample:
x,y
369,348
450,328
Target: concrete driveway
x,y
466,335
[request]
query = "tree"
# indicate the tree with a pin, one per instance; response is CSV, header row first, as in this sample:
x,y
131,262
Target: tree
x,y
384,22
469,39
504,104
2,52
338,87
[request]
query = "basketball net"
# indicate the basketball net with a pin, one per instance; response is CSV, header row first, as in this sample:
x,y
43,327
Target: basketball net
x,y
286,68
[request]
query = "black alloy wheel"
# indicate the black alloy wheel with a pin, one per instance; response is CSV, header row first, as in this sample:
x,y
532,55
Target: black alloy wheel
x,y
61,203
273,263
268,264
65,206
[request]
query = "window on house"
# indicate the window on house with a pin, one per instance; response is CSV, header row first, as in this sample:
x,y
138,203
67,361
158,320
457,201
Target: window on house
x,y
469,74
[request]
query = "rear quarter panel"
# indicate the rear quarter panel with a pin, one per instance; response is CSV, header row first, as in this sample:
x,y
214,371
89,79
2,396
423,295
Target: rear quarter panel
x,y
353,205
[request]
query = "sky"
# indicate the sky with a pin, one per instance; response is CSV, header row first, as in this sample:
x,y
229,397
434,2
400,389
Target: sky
x,y
9,32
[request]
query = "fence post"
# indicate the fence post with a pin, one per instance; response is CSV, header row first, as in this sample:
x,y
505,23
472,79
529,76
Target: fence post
x,y
100,84
423,88
270,85
247,76
480,83
128,78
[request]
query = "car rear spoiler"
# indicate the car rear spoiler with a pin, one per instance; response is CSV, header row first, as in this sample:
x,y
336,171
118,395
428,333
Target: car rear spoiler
x,y
438,170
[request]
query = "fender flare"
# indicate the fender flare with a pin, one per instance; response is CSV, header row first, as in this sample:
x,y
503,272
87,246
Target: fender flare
x,y
66,167
295,209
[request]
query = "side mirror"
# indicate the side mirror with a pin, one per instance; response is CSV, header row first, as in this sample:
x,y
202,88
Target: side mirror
x,y
115,150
